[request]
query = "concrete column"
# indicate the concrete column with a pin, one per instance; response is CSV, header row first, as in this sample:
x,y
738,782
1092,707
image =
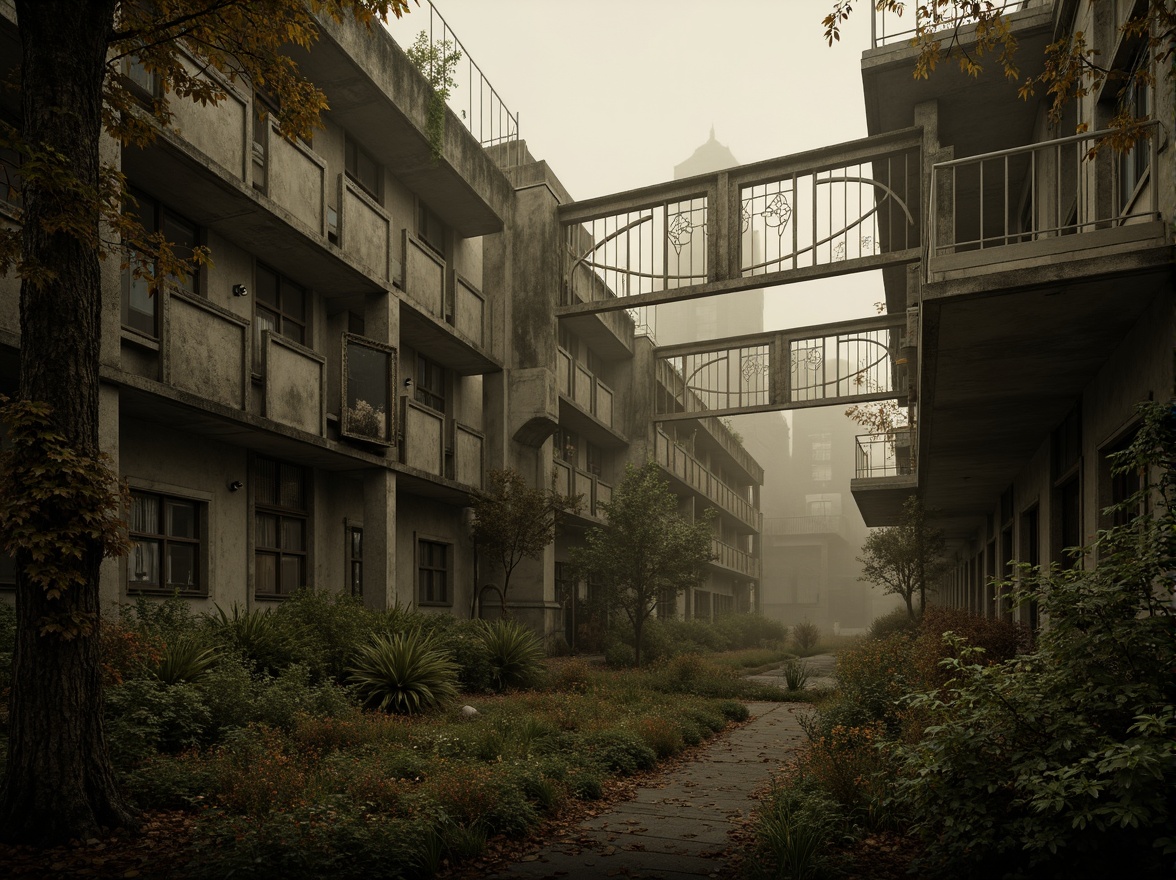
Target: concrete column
x,y
379,538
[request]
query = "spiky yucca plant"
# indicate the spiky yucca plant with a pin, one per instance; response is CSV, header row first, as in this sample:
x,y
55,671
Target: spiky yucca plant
x,y
515,653
404,674
185,658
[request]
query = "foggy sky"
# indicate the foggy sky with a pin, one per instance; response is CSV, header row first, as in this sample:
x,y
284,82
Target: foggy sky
x,y
614,93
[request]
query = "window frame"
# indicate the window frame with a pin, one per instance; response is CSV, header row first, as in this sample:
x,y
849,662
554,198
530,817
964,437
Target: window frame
x,y
351,531
346,428
353,151
162,217
1133,166
424,391
431,229
282,514
281,282
446,568
164,539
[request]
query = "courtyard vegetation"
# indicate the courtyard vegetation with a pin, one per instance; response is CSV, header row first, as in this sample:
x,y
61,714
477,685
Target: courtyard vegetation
x,y
320,738
981,750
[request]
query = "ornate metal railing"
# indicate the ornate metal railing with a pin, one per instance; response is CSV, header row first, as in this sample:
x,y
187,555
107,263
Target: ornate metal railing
x,y
1045,190
885,454
840,209
847,362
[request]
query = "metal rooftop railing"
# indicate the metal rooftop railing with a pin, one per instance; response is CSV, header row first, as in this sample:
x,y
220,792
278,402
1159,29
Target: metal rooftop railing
x,y
888,27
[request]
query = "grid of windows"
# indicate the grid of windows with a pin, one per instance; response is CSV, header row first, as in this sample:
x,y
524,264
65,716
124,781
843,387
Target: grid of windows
x,y
280,306
140,304
433,573
165,544
280,525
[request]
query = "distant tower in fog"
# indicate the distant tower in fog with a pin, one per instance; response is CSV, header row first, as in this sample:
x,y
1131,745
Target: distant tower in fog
x,y
713,317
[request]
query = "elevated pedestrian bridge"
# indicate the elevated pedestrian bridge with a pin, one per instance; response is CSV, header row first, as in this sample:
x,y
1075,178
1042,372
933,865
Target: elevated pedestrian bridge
x,y
848,208
834,211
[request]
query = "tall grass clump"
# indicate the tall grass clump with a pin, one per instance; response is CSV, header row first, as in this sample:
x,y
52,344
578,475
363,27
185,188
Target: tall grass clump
x,y
403,674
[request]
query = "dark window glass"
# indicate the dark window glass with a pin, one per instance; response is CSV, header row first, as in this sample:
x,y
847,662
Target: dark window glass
x,y
280,527
165,543
140,303
430,384
355,559
433,573
279,306
362,167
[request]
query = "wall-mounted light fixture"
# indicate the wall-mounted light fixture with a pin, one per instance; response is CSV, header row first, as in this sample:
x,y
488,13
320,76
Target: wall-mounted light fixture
x,y
240,290
235,485
408,382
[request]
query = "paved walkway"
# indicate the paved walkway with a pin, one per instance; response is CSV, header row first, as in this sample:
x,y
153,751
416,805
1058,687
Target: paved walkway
x,y
676,827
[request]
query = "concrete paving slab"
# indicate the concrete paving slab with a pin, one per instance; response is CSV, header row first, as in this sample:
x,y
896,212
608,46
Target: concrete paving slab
x,y
675,827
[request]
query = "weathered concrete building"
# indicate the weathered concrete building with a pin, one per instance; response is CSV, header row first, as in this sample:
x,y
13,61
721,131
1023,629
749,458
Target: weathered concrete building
x,y
377,329
1044,294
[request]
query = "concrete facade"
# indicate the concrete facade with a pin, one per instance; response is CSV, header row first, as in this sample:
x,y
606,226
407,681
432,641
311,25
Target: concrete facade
x,y
1045,304
377,330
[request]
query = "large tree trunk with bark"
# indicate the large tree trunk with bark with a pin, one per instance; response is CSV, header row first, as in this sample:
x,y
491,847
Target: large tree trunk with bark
x,y
58,782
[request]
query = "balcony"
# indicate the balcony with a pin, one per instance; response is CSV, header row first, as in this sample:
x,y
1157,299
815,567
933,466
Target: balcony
x,y
677,461
447,315
1042,209
434,444
592,490
591,398
734,559
817,525
884,475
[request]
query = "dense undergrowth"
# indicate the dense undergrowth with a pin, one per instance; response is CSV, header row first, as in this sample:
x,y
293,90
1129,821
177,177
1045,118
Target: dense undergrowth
x,y
322,739
1002,758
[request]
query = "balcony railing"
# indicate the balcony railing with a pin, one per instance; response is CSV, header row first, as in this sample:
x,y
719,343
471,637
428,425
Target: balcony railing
x,y
690,471
593,491
1043,191
805,525
471,97
592,395
889,27
734,559
887,454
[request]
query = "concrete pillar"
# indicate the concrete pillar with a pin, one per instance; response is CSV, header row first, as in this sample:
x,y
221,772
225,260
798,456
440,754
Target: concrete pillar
x,y
379,538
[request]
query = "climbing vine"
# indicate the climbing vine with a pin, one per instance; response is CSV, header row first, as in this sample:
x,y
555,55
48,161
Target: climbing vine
x,y
437,62
55,503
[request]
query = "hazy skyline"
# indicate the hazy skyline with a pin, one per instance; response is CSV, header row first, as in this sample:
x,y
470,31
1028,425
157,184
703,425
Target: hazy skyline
x,y
615,94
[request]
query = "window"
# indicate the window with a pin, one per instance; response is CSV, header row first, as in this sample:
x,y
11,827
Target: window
x,y
430,229
9,169
433,573
146,85
822,447
430,384
595,457
822,473
355,559
165,544
368,379
566,443
362,167
1135,101
140,304
1121,486
280,527
280,306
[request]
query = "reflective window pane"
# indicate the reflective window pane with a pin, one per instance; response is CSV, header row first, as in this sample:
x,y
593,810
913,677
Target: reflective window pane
x,y
143,564
181,519
181,565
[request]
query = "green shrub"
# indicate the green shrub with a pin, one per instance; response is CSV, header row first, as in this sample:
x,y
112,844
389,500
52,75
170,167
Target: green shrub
x,y
896,621
664,736
322,628
585,784
253,634
734,711
619,655
619,752
405,673
145,716
1000,640
515,654
794,827
805,636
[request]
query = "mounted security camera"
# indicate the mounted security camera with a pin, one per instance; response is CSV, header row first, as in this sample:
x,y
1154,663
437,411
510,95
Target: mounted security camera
x,y
240,290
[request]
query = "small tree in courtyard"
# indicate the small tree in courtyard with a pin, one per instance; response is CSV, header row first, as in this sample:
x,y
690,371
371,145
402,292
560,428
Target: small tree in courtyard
x,y
905,559
513,522
646,551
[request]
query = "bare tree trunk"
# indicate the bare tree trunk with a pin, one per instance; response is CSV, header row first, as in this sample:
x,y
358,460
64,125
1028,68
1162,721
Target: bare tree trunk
x,y
59,783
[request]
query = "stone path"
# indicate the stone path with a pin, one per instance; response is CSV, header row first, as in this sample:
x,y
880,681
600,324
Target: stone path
x,y
677,827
